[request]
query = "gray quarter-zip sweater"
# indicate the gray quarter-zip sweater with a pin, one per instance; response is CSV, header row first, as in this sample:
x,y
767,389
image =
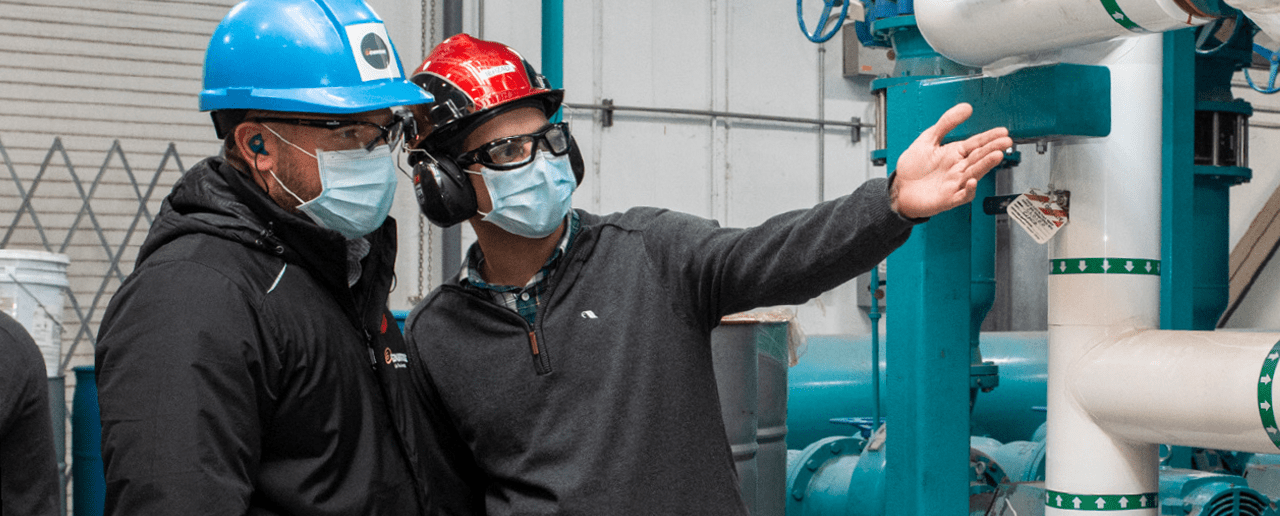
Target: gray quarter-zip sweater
x,y
608,404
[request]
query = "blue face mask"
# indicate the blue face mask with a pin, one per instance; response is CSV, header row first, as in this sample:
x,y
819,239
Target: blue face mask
x,y
532,200
358,188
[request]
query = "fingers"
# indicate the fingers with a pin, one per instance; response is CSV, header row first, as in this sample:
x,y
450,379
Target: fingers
x,y
948,121
998,136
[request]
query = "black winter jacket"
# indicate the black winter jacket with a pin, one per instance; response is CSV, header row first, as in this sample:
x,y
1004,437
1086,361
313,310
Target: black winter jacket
x,y
608,404
239,374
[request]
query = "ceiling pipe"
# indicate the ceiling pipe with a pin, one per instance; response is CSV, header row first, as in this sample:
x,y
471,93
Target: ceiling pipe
x,y
985,33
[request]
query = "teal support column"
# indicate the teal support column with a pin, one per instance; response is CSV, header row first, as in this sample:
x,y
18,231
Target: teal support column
x,y
553,45
1177,239
1202,161
927,339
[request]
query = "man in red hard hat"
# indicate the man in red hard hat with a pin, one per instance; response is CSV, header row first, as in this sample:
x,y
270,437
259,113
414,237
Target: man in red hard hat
x,y
569,360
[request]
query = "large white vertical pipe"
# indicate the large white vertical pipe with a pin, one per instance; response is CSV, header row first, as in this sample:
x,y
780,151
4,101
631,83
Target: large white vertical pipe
x,y
1093,294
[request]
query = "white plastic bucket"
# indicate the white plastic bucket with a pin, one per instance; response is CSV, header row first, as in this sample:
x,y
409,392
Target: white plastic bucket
x,y
31,291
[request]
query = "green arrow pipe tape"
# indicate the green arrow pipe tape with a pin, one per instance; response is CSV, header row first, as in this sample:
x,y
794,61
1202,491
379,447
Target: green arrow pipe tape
x,y
1081,502
1265,407
1120,17
1105,266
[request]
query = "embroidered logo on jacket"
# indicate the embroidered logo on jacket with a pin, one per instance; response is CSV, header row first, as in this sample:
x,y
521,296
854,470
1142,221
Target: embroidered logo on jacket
x,y
399,360
588,314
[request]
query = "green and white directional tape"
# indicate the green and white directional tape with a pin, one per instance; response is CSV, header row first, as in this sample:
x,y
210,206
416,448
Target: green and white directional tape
x,y
1141,266
1081,502
1120,17
1266,407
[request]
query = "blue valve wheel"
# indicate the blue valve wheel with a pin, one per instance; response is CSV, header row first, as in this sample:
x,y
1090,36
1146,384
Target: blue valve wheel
x,y
818,36
1274,59
1214,27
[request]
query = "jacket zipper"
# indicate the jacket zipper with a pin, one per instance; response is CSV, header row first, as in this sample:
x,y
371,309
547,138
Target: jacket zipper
x,y
541,363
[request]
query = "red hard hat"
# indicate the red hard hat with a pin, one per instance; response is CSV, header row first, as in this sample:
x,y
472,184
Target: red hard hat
x,y
472,81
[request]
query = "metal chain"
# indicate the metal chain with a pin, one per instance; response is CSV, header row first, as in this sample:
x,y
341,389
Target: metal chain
x,y
424,233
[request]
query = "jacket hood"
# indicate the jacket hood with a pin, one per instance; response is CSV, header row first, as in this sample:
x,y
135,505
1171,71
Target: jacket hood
x,y
215,198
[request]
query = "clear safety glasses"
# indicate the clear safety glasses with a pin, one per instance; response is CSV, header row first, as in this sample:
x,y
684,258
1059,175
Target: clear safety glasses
x,y
352,134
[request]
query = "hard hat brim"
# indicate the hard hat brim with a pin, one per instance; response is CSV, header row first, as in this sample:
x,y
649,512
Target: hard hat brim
x,y
340,99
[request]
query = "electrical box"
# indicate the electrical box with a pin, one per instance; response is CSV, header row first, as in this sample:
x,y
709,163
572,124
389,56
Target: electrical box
x,y
860,61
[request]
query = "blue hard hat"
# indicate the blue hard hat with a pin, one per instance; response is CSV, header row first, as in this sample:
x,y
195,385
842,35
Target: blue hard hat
x,y
312,56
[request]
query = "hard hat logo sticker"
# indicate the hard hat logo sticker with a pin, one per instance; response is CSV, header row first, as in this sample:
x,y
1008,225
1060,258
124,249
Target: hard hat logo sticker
x,y
372,52
375,51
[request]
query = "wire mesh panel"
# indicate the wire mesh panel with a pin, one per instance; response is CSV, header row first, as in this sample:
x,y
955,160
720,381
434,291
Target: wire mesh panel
x,y
96,215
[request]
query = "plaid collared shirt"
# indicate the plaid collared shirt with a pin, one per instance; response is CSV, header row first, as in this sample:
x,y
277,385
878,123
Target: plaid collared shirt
x,y
522,300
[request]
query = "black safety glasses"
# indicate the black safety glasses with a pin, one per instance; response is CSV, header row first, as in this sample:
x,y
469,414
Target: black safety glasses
x,y
516,151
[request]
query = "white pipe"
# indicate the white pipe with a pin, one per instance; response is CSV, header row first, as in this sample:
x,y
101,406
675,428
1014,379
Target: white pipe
x,y
985,32
1115,215
1201,389
1265,13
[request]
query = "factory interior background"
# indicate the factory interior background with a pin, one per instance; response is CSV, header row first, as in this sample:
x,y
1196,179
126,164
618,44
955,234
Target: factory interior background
x,y
732,111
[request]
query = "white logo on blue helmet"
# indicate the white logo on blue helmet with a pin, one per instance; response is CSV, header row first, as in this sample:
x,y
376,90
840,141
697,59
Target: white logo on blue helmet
x,y
375,51
371,53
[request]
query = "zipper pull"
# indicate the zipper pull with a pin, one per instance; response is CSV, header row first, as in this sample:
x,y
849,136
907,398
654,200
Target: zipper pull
x,y
533,343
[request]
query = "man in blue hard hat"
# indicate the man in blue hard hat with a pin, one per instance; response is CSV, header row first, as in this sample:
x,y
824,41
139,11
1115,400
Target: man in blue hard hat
x,y
248,364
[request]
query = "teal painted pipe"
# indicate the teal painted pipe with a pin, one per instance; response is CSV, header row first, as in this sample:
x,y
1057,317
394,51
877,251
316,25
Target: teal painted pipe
x,y
982,288
833,380
836,476
89,488
553,45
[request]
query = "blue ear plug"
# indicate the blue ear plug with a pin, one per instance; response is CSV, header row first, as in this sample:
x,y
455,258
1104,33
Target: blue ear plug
x,y
255,145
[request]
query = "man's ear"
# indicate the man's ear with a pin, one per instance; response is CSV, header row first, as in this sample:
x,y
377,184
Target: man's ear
x,y
258,151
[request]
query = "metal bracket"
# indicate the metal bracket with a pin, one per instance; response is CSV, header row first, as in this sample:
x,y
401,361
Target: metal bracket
x,y
606,115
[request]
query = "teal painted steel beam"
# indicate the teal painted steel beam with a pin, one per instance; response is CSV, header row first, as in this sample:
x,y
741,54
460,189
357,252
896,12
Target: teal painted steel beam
x,y
553,45
1036,103
1177,238
927,340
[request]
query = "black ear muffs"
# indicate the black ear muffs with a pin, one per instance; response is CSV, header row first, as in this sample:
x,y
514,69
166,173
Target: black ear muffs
x,y
575,160
444,192
256,145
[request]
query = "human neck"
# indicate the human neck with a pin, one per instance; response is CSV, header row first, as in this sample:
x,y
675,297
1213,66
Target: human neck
x,y
512,259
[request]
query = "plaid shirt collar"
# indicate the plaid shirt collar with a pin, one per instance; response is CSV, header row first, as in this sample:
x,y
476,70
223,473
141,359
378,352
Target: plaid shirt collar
x,y
524,300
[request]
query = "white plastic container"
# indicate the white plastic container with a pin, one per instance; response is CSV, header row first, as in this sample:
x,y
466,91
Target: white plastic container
x,y
31,290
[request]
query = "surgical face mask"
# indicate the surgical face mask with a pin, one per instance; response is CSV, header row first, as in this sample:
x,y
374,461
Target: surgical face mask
x,y
358,188
532,200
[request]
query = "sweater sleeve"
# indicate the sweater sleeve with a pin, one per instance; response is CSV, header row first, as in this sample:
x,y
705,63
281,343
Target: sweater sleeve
x,y
789,259
179,387
453,481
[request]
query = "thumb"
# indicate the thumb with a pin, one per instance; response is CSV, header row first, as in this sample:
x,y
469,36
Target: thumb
x,y
948,121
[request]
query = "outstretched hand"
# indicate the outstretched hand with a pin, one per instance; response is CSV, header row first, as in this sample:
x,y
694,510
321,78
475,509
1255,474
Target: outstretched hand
x,y
932,178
